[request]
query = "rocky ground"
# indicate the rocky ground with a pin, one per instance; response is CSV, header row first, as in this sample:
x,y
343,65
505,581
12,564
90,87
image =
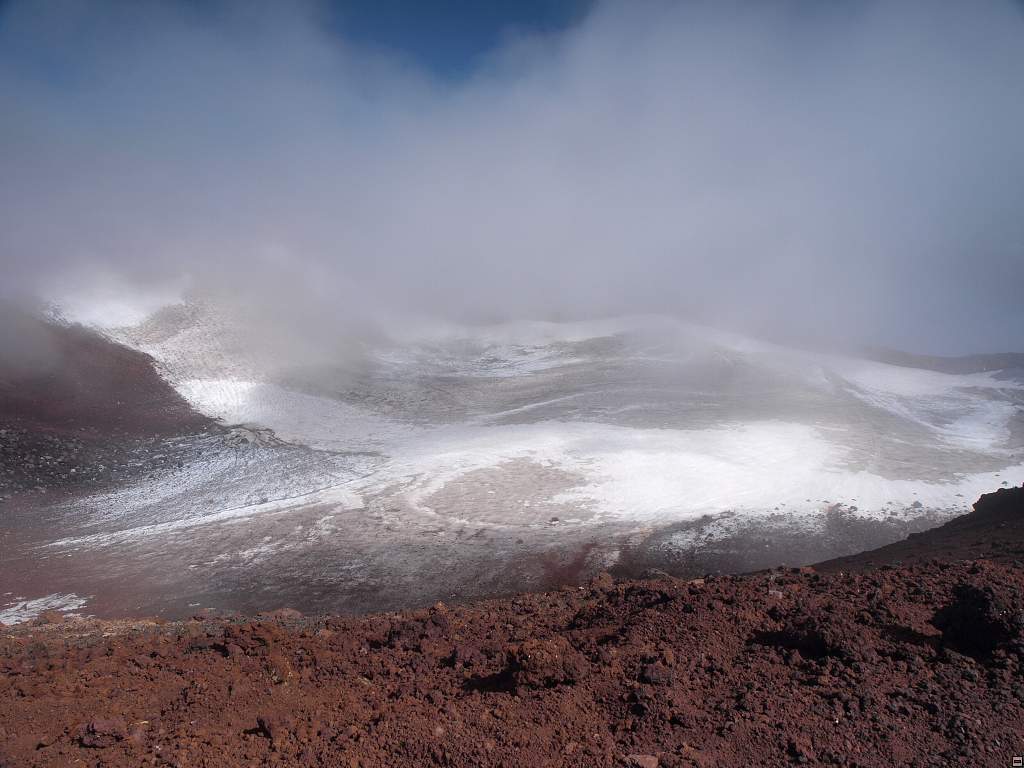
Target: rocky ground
x,y
84,412
912,655
36,462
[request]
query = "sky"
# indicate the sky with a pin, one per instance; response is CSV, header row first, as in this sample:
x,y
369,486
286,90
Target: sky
x,y
846,171
451,38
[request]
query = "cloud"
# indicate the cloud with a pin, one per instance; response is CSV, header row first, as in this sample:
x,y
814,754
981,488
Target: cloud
x,y
850,171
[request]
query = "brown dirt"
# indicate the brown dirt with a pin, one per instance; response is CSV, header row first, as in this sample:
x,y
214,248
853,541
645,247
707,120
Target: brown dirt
x,y
854,665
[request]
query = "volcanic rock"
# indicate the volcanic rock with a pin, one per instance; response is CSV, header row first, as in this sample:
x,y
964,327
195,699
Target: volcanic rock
x,y
103,732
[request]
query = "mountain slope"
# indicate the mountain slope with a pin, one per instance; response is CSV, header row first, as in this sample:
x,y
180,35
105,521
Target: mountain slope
x,y
917,665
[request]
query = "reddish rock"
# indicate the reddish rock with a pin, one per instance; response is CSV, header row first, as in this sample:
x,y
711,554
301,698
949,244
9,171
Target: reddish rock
x,y
283,614
49,617
545,663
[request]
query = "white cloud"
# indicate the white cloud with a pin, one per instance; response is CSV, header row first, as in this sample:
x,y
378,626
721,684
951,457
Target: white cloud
x,y
851,170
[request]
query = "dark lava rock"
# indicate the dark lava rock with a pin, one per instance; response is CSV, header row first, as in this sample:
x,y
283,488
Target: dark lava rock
x,y
980,620
815,636
656,674
101,732
273,726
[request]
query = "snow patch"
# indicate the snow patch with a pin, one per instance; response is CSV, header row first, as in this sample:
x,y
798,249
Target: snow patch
x,y
21,610
670,474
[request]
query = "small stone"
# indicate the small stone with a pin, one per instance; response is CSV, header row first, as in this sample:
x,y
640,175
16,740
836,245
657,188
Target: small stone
x,y
49,617
102,732
602,581
656,674
272,727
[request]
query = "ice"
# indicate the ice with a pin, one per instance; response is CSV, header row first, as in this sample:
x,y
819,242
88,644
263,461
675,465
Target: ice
x,y
671,475
336,496
21,610
318,422
643,419
971,410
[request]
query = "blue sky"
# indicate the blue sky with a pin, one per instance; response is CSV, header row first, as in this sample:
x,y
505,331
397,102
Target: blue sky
x,y
449,37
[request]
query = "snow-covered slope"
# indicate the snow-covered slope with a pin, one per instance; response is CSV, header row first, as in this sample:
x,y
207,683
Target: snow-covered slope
x,y
425,461
645,417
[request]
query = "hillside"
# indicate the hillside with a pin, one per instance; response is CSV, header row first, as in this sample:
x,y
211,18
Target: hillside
x,y
853,665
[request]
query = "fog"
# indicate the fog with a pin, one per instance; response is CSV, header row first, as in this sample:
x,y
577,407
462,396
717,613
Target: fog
x,y
850,172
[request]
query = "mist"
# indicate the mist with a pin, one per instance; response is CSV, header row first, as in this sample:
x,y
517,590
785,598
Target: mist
x,y
844,171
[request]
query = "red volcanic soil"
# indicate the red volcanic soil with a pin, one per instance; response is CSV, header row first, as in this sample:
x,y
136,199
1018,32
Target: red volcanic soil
x,y
78,410
83,383
852,664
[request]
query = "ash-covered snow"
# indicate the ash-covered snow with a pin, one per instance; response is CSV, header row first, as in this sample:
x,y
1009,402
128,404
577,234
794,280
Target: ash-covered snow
x,y
20,609
451,446
647,417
